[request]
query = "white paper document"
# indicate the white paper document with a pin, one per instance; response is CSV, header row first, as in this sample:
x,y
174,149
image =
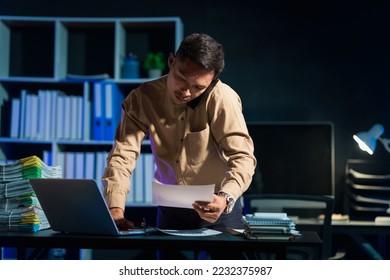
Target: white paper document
x,y
191,232
182,196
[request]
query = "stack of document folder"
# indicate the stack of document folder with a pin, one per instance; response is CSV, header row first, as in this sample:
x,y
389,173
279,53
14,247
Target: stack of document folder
x,y
19,208
262,225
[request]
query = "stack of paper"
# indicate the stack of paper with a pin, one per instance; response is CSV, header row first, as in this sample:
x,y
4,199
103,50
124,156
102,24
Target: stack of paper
x,y
19,207
262,225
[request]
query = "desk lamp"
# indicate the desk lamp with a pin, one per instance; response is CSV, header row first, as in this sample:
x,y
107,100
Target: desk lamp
x,y
367,142
367,139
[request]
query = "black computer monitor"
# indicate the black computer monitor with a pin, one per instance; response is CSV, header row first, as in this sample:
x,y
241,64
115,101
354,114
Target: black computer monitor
x,y
293,158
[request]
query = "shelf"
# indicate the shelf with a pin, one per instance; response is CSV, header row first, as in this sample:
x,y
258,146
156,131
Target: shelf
x,y
69,81
80,46
37,56
85,46
22,40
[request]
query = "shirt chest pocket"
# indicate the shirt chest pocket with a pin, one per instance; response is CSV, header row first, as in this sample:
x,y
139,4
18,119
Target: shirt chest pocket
x,y
199,146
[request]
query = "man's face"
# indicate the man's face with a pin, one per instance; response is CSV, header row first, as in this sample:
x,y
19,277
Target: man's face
x,y
186,80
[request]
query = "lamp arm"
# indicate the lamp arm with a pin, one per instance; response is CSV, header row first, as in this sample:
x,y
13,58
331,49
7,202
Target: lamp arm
x,y
386,143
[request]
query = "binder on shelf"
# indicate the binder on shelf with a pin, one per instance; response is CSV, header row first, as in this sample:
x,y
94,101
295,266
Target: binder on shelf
x,y
48,157
51,125
112,109
34,116
60,117
67,116
79,165
98,107
75,117
42,114
86,111
28,116
49,106
15,118
79,123
69,171
90,165
23,101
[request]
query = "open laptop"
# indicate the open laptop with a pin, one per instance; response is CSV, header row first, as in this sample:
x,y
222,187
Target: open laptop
x,y
76,206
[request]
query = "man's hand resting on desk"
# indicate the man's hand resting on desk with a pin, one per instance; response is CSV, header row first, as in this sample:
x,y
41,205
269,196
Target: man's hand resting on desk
x,y
121,222
210,211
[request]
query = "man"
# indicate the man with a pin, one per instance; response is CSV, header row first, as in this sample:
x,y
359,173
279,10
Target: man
x,y
197,133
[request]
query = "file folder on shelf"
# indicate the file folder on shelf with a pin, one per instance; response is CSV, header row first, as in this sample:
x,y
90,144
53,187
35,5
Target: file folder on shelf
x,y
112,113
15,118
98,107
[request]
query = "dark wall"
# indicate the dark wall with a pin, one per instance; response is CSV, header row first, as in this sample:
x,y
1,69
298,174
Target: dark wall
x,y
289,60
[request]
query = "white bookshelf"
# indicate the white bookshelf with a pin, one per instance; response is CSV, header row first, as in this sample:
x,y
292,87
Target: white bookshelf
x,y
38,53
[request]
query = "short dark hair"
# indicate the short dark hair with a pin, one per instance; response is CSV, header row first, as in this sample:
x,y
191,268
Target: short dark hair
x,y
204,50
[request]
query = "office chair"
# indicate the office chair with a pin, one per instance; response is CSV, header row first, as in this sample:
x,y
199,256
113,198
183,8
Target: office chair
x,y
304,210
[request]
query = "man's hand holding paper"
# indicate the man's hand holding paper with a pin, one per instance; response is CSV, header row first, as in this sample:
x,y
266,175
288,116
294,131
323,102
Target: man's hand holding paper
x,y
200,197
210,211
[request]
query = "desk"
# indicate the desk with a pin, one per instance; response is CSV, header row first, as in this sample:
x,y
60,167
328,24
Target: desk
x,y
358,230
51,239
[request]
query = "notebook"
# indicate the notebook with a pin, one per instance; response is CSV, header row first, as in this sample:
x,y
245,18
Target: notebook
x,y
76,206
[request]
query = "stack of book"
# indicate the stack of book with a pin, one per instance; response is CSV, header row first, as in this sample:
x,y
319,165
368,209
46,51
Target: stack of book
x,y
19,208
262,225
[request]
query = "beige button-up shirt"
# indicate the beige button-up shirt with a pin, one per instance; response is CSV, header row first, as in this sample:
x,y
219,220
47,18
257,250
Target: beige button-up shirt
x,y
203,142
